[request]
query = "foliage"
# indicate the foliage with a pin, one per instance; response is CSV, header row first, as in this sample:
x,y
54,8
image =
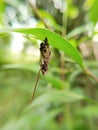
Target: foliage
x,y
66,98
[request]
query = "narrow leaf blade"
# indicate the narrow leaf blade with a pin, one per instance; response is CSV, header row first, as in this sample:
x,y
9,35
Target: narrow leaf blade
x,y
54,39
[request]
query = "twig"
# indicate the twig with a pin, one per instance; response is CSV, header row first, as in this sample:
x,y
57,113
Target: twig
x,y
38,14
38,75
89,73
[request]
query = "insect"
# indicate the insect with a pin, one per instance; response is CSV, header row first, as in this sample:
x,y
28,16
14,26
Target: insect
x,y
45,58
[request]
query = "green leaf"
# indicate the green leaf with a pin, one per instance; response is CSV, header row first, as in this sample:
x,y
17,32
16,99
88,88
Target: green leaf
x,y
89,111
57,83
79,30
57,96
54,39
48,117
94,9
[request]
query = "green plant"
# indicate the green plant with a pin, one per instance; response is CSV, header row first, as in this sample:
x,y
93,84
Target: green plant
x,y
65,98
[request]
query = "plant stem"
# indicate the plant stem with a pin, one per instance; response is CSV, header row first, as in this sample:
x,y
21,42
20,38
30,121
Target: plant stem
x,y
89,73
38,75
38,14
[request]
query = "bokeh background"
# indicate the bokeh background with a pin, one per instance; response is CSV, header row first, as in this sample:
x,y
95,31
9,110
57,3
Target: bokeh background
x,y
66,98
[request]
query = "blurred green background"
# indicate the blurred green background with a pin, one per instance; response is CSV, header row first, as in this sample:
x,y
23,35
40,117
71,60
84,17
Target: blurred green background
x,y
66,98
